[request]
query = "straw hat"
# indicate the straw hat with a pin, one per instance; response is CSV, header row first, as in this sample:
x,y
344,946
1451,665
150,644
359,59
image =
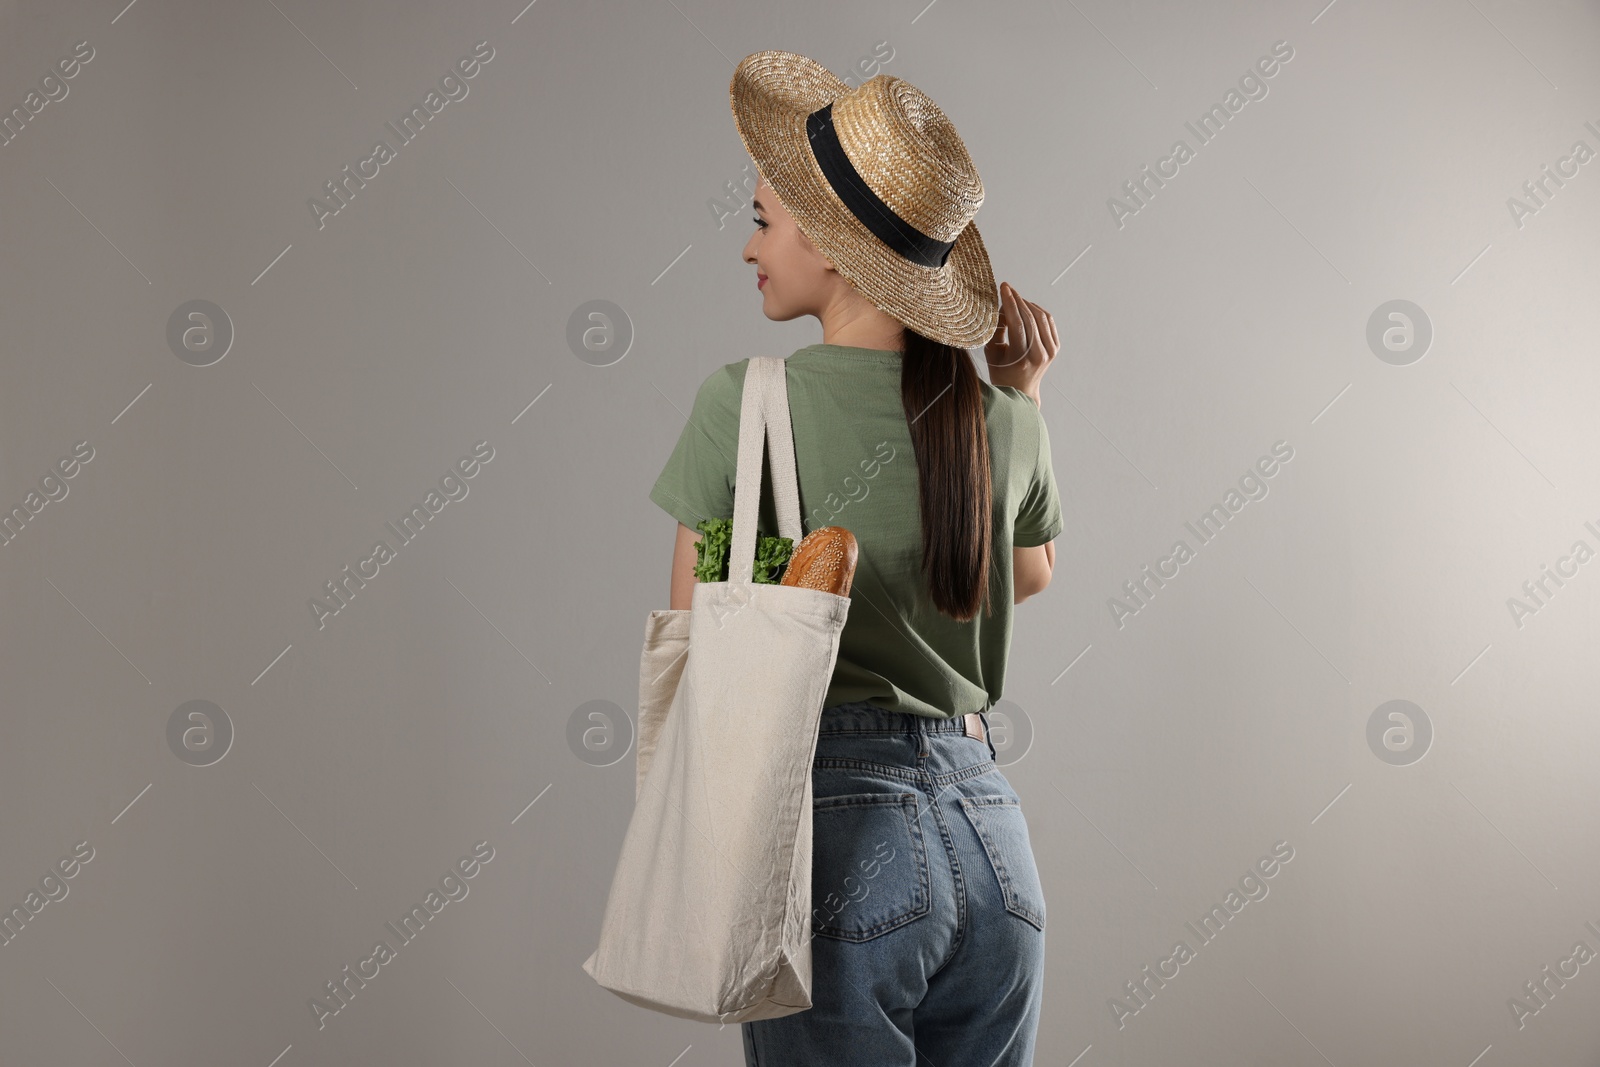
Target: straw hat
x,y
879,180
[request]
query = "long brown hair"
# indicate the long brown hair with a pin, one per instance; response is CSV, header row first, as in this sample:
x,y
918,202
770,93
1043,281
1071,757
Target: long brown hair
x,y
943,400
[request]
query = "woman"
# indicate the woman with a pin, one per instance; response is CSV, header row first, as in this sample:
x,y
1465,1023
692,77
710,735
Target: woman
x,y
928,915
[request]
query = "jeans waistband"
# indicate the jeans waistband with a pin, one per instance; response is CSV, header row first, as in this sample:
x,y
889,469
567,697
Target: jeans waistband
x,y
865,717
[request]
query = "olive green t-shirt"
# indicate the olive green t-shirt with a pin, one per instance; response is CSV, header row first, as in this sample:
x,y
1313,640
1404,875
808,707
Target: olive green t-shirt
x,y
856,469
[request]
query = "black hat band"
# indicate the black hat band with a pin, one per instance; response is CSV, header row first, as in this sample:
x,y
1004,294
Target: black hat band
x,y
894,231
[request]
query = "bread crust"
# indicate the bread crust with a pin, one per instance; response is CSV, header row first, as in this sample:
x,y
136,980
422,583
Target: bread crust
x,y
824,559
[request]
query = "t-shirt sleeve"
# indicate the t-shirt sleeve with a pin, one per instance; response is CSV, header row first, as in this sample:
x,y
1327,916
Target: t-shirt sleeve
x,y
1039,516
697,482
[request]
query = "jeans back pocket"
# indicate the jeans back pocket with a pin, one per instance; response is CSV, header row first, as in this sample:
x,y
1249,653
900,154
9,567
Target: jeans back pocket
x,y
869,865
1001,827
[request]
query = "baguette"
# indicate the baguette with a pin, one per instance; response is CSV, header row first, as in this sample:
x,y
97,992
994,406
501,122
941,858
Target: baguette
x,y
824,559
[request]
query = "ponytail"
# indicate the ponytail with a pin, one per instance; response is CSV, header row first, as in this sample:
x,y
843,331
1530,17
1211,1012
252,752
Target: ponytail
x,y
943,400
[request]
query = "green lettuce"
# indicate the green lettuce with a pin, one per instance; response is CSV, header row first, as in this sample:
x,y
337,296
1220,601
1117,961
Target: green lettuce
x,y
716,542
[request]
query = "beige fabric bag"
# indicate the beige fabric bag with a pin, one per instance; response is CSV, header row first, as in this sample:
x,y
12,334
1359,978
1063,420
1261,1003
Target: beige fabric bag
x,y
709,914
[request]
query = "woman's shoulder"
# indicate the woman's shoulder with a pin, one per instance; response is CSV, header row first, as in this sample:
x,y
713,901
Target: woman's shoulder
x,y
1007,400
728,380
718,399
734,372
1011,415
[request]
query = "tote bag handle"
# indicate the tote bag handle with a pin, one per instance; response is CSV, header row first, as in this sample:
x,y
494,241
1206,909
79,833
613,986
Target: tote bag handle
x,y
764,406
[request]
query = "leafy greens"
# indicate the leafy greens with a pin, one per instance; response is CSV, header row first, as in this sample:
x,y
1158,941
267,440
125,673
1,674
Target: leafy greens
x,y
716,542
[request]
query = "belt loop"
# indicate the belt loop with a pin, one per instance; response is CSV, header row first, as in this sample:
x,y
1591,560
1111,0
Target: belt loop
x,y
916,732
988,737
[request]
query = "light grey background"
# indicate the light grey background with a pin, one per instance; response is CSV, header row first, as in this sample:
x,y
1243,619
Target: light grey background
x,y
1168,755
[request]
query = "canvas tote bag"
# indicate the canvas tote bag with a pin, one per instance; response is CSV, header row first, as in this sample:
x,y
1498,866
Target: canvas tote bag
x,y
709,913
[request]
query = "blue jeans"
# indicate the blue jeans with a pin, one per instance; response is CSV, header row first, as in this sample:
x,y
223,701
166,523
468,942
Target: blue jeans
x,y
927,913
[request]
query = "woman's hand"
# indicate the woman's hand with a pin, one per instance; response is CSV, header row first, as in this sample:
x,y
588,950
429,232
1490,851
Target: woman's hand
x,y
1030,343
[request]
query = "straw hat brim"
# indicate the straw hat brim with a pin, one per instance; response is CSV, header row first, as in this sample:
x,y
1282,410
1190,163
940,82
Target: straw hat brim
x,y
771,94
